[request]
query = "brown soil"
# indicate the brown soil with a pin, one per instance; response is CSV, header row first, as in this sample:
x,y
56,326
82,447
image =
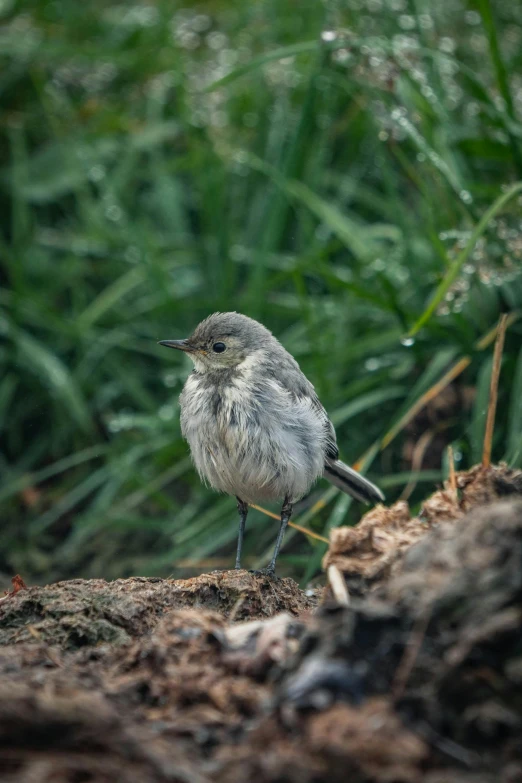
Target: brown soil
x,y
232,677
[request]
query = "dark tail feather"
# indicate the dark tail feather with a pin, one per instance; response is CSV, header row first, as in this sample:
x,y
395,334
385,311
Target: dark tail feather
x,y
352,482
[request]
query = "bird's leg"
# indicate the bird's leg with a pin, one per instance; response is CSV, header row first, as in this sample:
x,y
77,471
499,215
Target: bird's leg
x,y
286,513
243,511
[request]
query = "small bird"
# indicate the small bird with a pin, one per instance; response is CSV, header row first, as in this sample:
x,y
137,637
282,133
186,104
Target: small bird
x,y
255,426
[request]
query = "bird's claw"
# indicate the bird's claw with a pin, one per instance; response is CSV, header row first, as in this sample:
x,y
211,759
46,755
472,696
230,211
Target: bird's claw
x,y
268,571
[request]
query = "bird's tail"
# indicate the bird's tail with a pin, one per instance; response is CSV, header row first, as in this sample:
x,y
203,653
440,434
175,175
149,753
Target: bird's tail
x,y
352,482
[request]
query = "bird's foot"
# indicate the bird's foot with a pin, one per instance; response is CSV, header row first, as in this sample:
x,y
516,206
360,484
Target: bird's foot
x,y
268,571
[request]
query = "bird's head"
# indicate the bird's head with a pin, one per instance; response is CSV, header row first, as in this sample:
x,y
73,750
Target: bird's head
x,y
223,341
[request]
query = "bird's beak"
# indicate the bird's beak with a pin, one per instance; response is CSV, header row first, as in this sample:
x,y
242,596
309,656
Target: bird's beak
x,y
181,345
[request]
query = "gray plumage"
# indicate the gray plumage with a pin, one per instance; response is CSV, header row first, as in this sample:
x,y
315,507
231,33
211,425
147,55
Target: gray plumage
x,y
255,426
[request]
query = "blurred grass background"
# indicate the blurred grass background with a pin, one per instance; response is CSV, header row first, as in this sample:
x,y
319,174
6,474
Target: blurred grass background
x,y
326,168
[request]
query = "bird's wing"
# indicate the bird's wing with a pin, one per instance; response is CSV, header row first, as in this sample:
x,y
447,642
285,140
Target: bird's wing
x,y
289,375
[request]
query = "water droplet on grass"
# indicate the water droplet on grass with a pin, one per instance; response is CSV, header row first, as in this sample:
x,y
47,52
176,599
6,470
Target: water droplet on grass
x,y
113,212
328,35
96,173
407,342
166,412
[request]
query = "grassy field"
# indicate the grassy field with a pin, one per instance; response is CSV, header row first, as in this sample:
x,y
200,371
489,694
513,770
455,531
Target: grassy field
x,y
347,172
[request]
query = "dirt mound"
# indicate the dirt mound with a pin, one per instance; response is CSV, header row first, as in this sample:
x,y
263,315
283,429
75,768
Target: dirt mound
x,y
435,654
372,551
87,612
232,678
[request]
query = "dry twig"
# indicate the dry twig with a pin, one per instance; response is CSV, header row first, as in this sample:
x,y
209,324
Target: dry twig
x,y
305,530
416,463
493,391
338,585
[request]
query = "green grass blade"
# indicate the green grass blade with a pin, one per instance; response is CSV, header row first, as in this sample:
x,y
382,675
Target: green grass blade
x,y
54,373
364,403
263,59
107,299
18,483
456,267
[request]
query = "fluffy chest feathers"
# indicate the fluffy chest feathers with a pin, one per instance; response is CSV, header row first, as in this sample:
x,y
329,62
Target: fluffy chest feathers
x,y
250,436
220,407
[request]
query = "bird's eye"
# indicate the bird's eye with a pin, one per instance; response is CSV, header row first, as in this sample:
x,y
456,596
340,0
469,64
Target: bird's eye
x,y
219,347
